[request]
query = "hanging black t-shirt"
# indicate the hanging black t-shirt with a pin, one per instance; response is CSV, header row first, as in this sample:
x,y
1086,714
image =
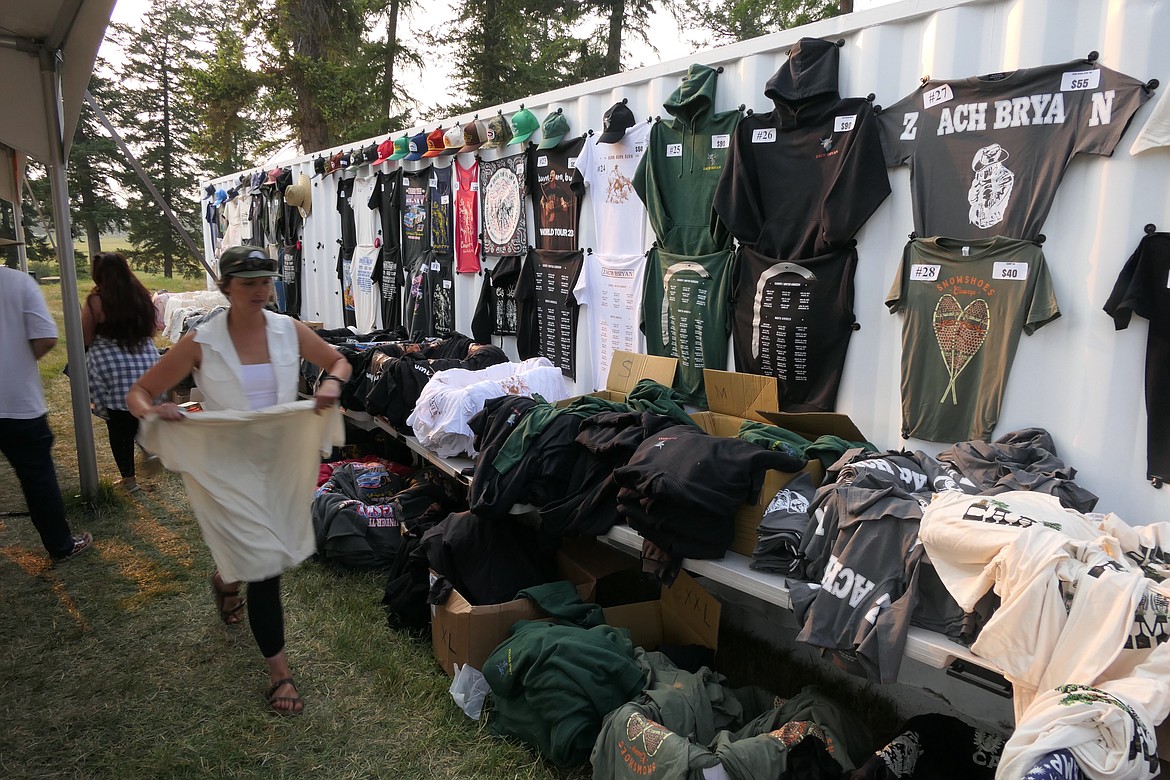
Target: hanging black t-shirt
x,y
416,225
546,292
388,270
441,206
495,314
556,197
1143,288
345,251
793,320
418,303
288,232
502,212
442,284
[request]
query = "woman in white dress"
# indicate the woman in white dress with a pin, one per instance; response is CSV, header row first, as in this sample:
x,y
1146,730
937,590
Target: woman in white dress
x,y
246,360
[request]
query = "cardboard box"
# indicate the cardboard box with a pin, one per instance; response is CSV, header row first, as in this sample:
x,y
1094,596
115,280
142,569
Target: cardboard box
x,y
684,614
462,633
733,398
626,369
617,576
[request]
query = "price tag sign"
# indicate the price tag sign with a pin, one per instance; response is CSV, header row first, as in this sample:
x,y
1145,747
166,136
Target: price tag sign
x,y
921,272
474,186
446,284
445,200
674,150
722,141
435,266
542,161
1075,80
843,124
765,135
573,162
1009,272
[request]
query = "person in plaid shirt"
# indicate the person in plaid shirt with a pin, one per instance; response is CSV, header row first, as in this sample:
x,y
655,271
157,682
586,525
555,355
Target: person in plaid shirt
x,y
118,324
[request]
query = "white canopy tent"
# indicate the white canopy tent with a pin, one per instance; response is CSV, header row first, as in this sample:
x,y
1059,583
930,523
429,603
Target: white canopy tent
x,y
47,51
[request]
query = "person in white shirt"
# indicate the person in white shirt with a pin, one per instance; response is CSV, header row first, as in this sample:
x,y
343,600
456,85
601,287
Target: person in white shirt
x,y
27,333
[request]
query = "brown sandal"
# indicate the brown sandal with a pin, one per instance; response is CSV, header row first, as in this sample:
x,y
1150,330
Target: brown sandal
x,y
221,597
295,704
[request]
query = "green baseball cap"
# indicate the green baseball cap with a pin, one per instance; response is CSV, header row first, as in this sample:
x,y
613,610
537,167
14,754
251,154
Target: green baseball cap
x,y
555,127
401,148
524,124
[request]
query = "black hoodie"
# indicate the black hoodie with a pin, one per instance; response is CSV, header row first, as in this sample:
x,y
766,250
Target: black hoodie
x,y
803,178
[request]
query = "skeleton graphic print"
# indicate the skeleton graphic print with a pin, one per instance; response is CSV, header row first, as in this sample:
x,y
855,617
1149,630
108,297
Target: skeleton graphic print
x,y
502,191
991,187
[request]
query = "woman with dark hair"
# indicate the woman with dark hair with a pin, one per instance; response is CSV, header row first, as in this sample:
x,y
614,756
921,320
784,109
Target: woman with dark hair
x,y
117,322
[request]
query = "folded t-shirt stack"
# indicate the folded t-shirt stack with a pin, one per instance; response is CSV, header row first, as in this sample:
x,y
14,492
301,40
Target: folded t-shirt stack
x,y
681,488
451,398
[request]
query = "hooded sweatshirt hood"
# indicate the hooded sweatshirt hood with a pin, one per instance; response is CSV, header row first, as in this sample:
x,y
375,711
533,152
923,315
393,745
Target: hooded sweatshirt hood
x,y
811,71
695,97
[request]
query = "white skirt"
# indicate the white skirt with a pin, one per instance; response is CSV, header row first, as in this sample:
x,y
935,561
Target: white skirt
x,y
250,478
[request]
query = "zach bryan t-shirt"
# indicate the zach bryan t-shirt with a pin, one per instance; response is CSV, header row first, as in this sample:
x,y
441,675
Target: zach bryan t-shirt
x,y
965,303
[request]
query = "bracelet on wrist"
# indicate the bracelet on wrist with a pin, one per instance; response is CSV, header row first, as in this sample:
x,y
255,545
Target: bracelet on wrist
x,y
325,377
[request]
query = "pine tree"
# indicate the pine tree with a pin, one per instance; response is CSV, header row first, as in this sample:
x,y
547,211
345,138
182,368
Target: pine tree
x,y
159,119
728,21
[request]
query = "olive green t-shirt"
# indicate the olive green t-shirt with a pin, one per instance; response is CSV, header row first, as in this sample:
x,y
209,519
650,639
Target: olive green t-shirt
x,y
964,303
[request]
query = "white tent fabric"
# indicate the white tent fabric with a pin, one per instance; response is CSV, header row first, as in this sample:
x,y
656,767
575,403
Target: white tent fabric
x,y
73,27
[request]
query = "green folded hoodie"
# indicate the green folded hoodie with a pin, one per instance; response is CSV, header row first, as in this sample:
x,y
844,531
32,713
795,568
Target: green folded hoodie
x,y
680,171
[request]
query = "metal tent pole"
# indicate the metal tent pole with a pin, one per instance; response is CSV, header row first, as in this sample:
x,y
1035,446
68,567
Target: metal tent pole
x,y
18,218
74,341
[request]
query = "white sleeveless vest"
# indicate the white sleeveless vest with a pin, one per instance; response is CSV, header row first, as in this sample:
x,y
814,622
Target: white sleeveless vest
x,y
219,376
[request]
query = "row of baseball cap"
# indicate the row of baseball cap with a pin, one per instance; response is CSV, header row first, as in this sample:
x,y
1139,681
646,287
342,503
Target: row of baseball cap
x,y
498,133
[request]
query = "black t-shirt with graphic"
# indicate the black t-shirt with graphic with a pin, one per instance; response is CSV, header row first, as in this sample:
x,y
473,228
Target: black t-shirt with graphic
x,y
388,270
793,320
545,296
556,197
441,206
987,153
345,251
416,224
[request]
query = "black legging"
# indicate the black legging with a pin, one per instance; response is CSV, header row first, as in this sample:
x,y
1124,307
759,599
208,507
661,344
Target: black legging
x,y
266,615
122,427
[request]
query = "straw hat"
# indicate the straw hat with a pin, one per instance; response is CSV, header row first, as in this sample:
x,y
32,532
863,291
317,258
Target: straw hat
x,y
300,195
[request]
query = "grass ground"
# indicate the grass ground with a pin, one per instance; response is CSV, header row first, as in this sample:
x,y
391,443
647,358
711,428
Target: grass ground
x,y
115,665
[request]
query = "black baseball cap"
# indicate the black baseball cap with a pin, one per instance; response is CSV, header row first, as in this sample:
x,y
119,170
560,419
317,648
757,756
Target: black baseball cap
x,y
246,262
618,119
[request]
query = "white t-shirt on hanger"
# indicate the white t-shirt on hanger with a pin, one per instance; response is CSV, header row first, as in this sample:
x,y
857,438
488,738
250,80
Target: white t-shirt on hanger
x,y
610,289
619,217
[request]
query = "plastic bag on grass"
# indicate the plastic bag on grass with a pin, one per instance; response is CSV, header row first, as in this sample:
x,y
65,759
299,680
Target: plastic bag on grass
x,y
469,689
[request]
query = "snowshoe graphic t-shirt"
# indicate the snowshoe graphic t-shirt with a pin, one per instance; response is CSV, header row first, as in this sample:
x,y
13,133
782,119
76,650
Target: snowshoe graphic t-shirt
x,y
965,304
388,270
607,172
556,195
685,314
610,289
501,191
467,219
546,289
1143,288
987,153
793,321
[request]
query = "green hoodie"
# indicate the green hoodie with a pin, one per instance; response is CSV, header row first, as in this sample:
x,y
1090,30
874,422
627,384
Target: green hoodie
x,y
677,176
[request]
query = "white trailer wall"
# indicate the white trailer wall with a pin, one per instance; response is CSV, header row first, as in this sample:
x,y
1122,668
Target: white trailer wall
x,y
1076,377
